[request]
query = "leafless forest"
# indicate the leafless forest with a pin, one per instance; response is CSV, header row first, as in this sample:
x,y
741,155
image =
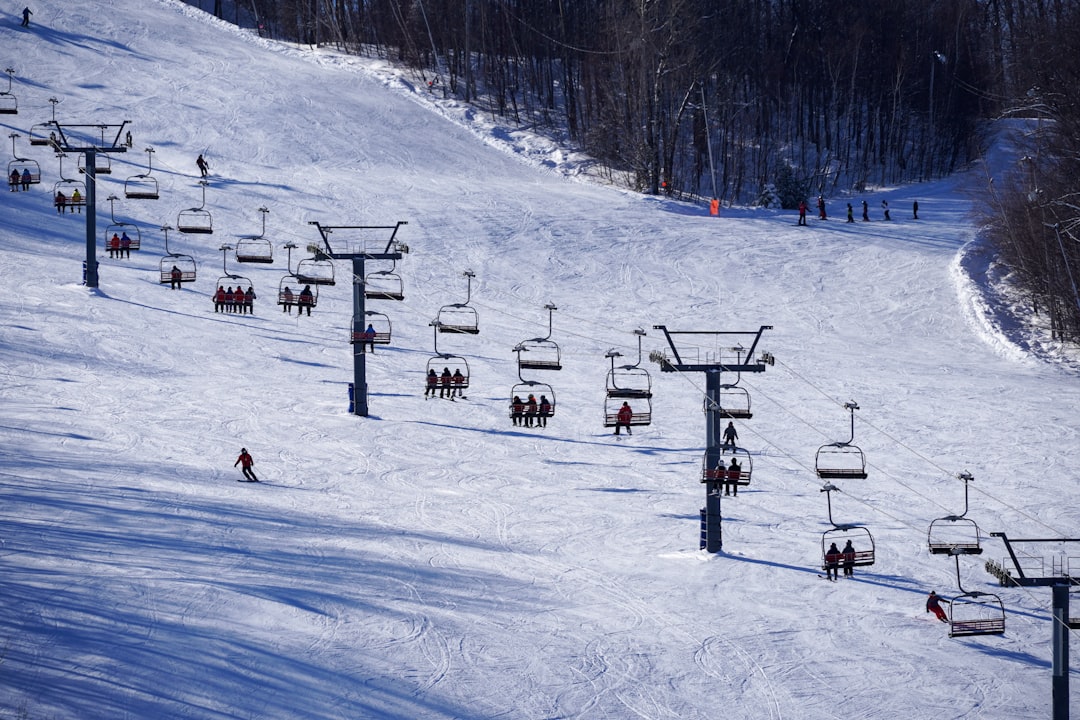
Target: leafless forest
x,y
760,100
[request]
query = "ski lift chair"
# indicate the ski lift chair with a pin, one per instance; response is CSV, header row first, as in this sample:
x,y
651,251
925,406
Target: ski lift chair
x,y
318,270
841,460
734,402
254,250
196,220
21,165
143,186
974,612
384,285
380,322
39,134
460,317
717,471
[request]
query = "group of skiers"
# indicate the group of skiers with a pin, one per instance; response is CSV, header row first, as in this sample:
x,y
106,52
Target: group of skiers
x,y
530,412
449,385
803,208
20,181
234,301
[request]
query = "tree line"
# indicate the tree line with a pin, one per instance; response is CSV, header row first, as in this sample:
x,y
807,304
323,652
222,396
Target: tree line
x,y
743,100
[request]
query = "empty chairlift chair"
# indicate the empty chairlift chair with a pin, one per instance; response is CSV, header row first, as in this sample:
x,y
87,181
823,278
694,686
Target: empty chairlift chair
x,y
316,270
256,248
384,285
841,460
460,317
9,104
540,353
40,133
196,220
143,186
734,402
973,612
955,534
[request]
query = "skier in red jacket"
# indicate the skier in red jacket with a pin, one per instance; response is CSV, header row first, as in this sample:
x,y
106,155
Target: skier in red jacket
x,y
623,418
246,461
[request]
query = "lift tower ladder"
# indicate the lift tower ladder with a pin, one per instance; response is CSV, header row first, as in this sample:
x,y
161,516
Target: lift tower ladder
x,y
359,253
737,359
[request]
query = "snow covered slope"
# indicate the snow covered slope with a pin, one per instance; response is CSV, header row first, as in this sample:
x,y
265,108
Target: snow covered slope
x,y
431,560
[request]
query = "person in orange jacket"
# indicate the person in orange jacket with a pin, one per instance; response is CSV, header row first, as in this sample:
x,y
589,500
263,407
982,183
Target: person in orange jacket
x,y
246,461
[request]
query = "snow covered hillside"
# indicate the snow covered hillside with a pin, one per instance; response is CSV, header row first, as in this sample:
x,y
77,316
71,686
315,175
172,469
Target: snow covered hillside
x,y
432,560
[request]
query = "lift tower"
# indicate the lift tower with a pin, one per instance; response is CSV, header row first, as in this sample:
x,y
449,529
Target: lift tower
x,y
358,252
1059,579
737,359
78,139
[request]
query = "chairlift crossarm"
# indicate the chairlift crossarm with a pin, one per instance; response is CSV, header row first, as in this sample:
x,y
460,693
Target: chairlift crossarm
x,y
680,366
1023,580
391,252
64,144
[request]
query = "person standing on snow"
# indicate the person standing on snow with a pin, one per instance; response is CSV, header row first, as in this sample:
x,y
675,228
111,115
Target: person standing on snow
x,y
933,604
204,168
821,207
246,461
802,212
865,211
26,13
